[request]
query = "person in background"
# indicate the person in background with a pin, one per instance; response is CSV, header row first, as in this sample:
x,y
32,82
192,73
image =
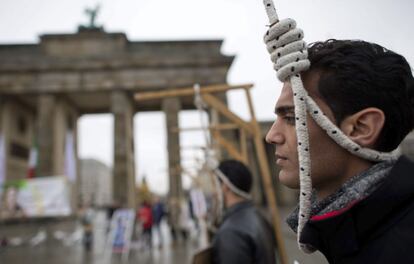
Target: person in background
x,y
158,212
87,216
145,217
244,235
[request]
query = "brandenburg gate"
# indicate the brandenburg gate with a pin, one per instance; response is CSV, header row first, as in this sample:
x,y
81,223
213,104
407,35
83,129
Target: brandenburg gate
x,y
46,87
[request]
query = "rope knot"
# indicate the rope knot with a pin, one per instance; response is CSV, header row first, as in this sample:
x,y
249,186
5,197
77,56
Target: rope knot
x,y
287,49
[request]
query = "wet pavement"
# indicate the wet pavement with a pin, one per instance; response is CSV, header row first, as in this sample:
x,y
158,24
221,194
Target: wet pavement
x,y
67,248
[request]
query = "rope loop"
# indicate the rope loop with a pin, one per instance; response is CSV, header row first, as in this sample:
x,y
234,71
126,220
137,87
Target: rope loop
x,y
287,49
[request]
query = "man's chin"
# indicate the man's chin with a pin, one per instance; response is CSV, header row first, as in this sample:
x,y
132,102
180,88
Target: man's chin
x,y
289,180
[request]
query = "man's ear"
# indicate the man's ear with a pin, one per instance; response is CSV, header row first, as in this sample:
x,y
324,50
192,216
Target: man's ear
x,y
364,127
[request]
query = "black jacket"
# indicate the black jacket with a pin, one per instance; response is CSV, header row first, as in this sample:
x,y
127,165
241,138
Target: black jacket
x,y
379,229
244,237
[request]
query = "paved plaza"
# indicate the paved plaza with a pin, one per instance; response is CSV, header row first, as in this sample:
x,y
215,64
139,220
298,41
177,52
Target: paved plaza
x,y
53,250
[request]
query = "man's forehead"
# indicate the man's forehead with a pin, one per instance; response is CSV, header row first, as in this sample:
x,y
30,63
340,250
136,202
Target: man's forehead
x,y
286,96
310,83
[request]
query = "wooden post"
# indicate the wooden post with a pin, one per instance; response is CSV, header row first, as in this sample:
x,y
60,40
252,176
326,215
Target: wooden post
x,y
243,144
268,185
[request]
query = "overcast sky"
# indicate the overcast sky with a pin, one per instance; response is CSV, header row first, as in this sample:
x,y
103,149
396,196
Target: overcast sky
x,y
241,23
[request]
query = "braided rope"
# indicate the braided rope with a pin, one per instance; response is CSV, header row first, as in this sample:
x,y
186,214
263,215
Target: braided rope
x,y
211,160
200,105
231,186
289,54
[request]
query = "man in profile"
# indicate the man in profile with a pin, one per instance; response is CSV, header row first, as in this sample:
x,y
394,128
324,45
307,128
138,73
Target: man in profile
x,y
362,207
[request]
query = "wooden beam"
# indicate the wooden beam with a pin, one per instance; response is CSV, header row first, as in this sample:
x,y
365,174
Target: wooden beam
x,y
231,149
267,181
215,120
213,127
188,91
224,110
243,144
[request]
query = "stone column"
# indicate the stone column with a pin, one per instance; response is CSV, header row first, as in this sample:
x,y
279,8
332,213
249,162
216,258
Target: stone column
x,y
59,134
171,108
65,147
123,171
17,137
46,106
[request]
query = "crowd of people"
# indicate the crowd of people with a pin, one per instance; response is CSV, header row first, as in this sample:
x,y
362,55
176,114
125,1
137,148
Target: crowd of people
x,y
150,217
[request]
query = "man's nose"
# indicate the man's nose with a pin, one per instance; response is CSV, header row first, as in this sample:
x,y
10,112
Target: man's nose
x,y
274,135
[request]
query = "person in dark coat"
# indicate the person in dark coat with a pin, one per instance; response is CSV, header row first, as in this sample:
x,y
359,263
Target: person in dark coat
x,y
158,213
244,235
361,211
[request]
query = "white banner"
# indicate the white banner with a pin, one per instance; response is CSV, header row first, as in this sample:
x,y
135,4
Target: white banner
x,y
38,197
70,157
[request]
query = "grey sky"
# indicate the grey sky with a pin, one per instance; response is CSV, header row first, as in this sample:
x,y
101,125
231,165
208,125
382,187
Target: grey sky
x,y
241,23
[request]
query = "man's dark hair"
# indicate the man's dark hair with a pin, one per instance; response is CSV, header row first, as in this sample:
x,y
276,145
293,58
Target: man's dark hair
x,y
356,75
237,173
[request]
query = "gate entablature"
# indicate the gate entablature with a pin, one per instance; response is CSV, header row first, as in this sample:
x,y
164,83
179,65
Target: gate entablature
x,y
92,71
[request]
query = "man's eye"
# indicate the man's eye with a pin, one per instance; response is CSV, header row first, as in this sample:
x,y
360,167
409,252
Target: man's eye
x,y
289,119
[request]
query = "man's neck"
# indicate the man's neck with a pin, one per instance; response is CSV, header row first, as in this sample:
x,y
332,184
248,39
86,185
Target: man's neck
x,y
232,199
355,167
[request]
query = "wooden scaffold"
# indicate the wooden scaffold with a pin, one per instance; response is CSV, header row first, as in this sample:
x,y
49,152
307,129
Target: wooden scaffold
x,y
248,130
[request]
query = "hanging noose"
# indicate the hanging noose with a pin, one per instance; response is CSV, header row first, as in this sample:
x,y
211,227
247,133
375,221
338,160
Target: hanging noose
x,y
288,51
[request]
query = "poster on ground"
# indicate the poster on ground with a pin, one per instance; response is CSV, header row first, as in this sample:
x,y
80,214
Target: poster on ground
x,y
120,233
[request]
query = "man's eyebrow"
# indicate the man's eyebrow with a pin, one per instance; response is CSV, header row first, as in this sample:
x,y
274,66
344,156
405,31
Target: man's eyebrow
x,y
282,110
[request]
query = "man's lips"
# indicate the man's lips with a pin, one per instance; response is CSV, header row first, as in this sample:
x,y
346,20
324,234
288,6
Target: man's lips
x,y
280,159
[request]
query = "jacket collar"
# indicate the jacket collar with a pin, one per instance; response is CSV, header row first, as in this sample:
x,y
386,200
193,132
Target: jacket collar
x,y
389,199
237,207
343,233
352,191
